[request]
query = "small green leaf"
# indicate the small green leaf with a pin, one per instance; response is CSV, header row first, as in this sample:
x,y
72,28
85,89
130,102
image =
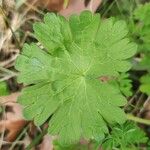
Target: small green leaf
x,y
79,146
145,84
126,136
142,13
1,109
123,83
3,89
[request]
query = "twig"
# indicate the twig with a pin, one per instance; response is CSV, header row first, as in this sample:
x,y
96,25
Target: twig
x,y
7,71
131,100
139,102
8,23
147,101
36,140
9,61
19,137
19,142
30,7
7,77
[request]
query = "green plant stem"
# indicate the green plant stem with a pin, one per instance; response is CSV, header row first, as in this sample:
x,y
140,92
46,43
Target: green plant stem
x,y
109,7
137,119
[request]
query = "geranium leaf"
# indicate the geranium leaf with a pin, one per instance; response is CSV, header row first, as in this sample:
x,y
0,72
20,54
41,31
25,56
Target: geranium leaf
x,y
63,79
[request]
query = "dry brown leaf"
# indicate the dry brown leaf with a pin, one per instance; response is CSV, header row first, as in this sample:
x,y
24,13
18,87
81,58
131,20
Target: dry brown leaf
x,y
12,128
76,6
46,143
51,5
13,121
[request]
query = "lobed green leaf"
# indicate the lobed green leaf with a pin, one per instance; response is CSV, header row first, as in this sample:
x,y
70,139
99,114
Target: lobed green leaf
x,y
63,79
